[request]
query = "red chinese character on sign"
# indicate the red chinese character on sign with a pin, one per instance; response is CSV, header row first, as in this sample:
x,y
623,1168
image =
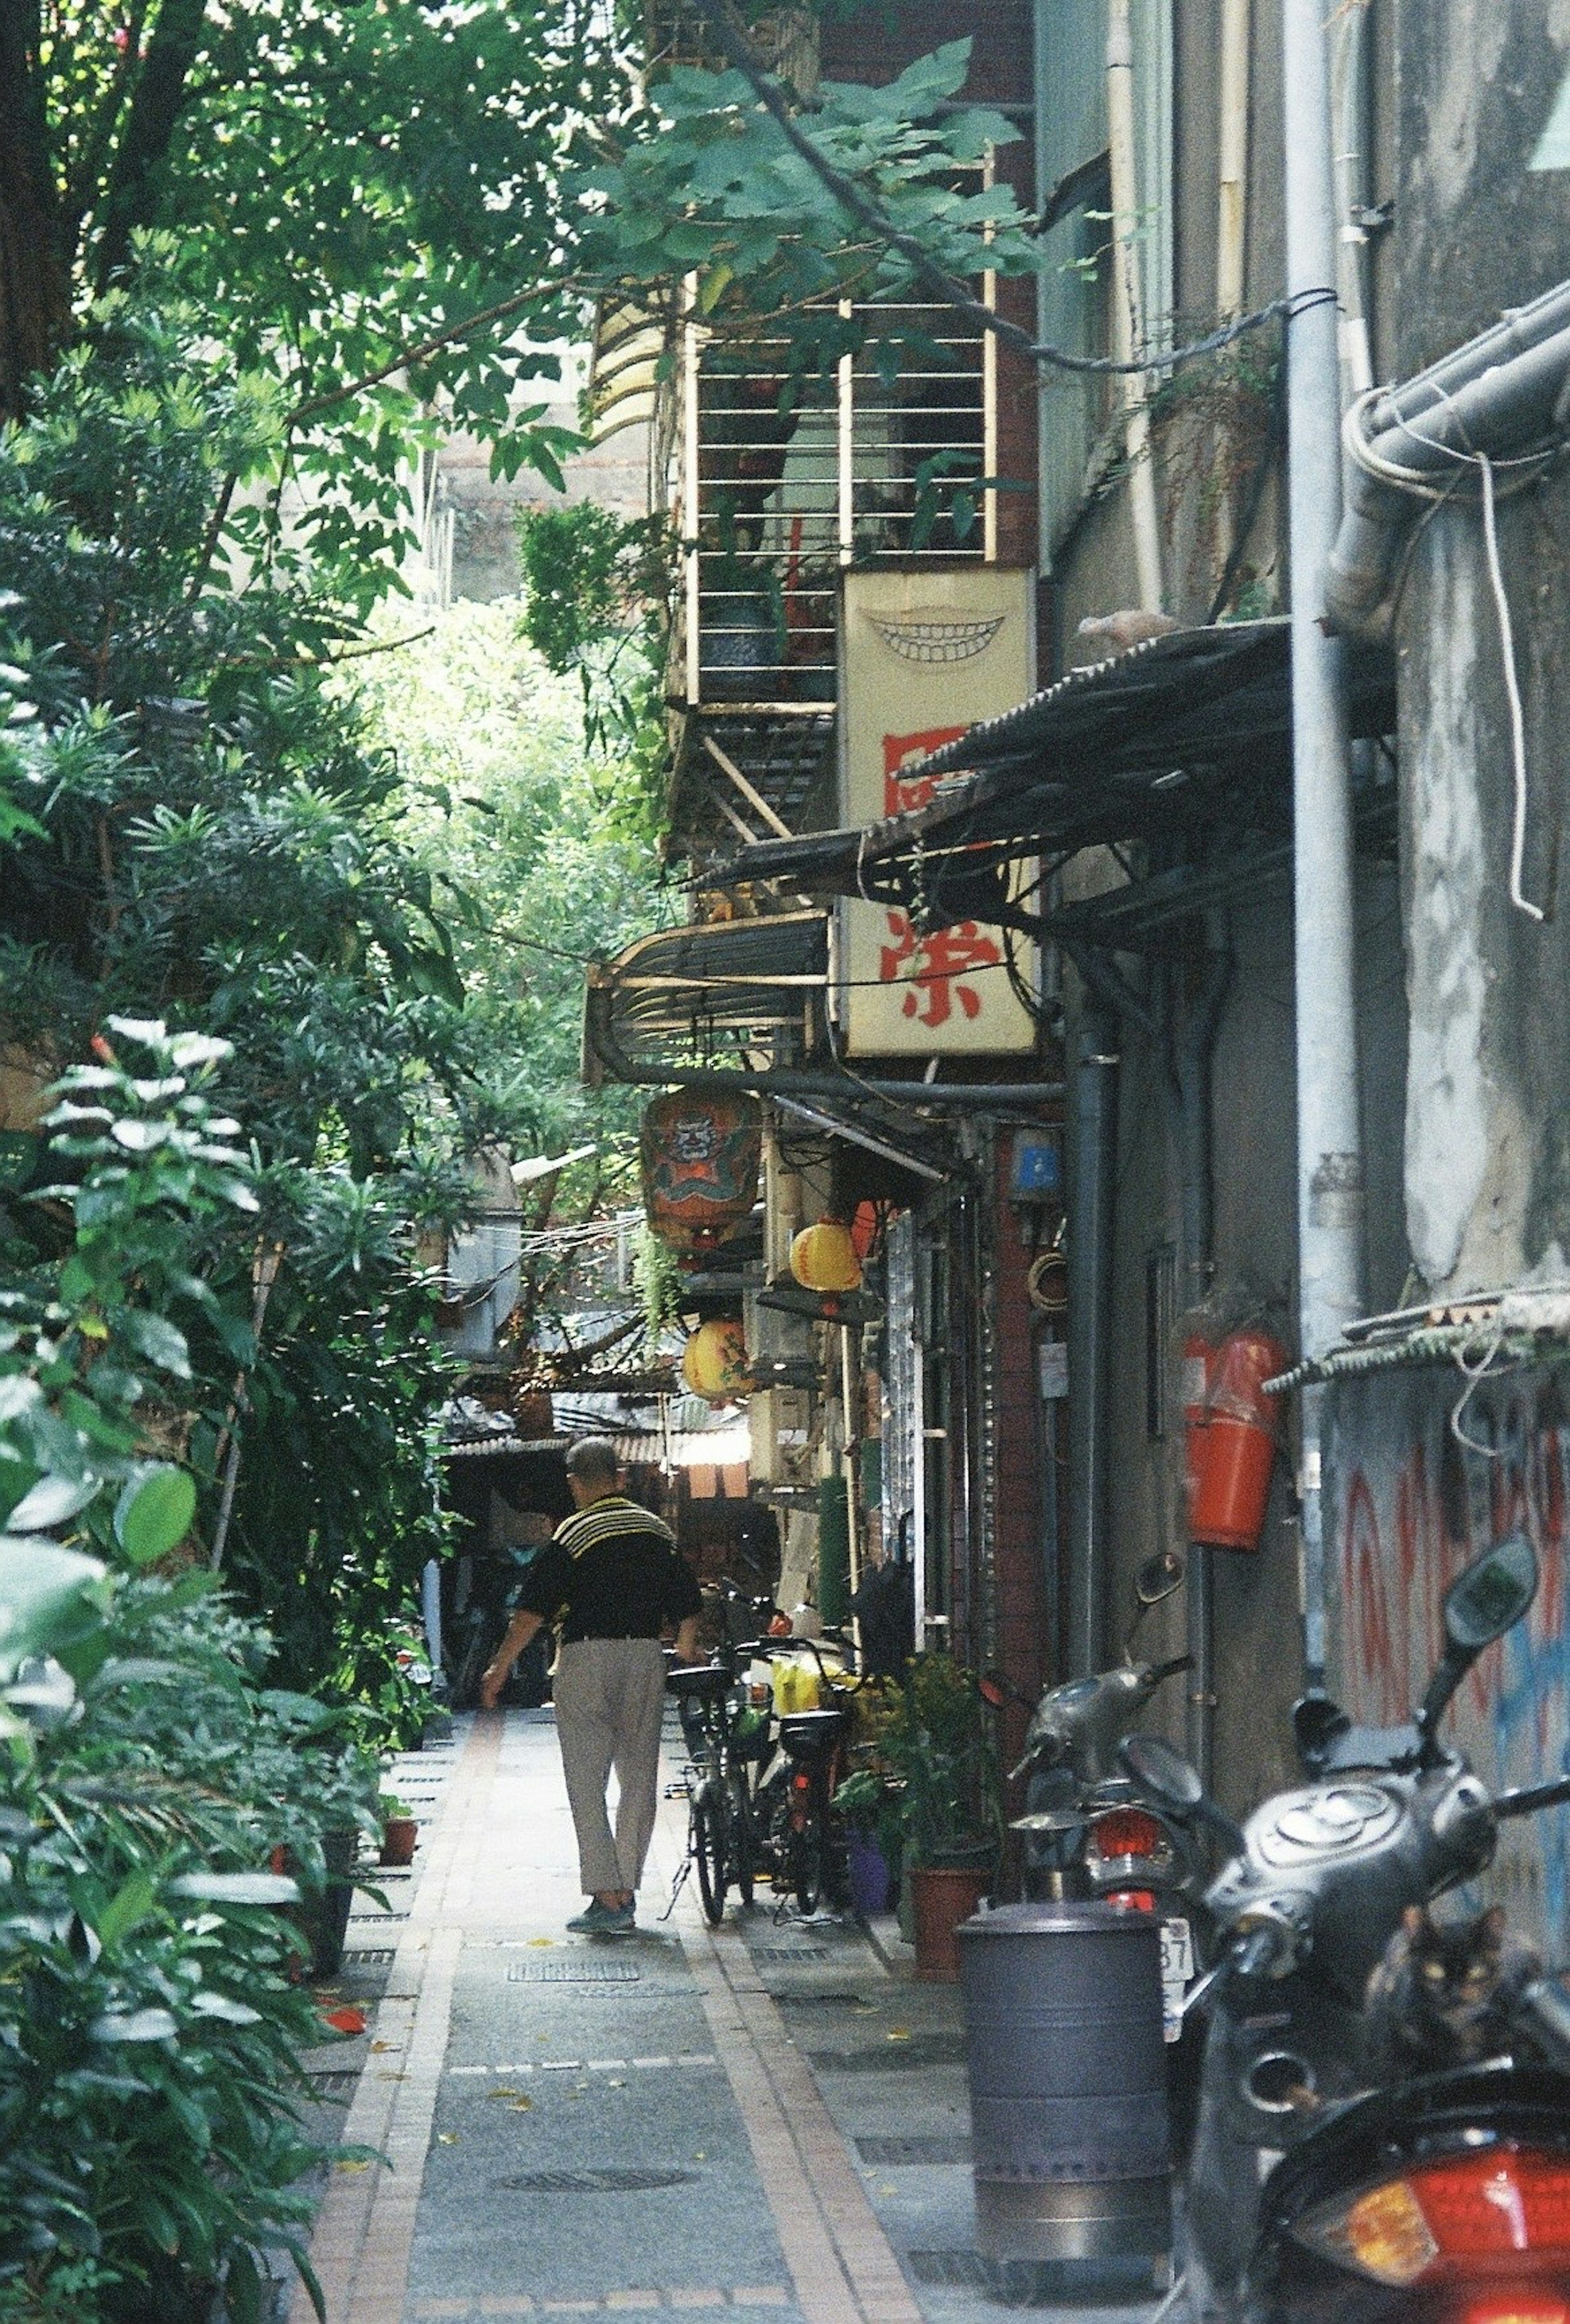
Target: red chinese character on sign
x,y
939,963
902,793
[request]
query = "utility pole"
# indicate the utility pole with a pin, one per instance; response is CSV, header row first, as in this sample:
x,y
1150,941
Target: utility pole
x,y
1330,1175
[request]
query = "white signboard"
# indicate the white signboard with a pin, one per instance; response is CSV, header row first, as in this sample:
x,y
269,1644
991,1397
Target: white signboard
x,y
926,655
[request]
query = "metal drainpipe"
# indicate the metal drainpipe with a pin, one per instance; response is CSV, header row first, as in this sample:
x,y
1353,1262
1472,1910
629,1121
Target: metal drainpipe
x,y
1330,1178
1093,1178
1193,1057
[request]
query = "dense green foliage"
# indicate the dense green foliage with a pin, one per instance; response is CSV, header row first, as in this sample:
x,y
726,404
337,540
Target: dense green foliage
x,y
150,2136
215,842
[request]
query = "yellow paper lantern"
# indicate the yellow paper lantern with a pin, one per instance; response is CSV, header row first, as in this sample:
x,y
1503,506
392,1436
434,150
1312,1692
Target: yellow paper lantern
x,y
824,1258
714,1362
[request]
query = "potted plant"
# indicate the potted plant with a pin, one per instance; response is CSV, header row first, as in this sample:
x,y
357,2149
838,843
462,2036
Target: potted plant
x,y
867,1804
400,1830
932,1736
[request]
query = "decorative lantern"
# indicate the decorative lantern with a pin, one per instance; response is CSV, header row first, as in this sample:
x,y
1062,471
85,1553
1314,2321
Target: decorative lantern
x,y
700,1154
714,1362
824,1258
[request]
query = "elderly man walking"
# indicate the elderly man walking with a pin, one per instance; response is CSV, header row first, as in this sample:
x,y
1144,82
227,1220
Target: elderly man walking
x,y
613,1578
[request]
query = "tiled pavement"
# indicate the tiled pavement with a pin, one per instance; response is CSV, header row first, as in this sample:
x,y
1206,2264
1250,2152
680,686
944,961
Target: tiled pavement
x,y
767,2120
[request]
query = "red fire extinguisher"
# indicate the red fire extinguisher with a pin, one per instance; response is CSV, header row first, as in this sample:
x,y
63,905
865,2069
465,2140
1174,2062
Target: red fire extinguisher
x,y
1237,1443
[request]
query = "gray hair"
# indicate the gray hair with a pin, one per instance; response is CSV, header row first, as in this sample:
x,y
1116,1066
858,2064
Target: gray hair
x,y
593,1459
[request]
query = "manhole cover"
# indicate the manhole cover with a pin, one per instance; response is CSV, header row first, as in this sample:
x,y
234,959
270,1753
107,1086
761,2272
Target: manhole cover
x,y
571,1972
595,2182
892,2057
943,2146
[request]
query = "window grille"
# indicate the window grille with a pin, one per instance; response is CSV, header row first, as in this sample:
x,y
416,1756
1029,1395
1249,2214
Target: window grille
x,y
784,488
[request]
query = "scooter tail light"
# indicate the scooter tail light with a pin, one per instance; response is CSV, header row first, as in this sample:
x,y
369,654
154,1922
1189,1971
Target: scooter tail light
x,y
1480,2207
1126,1832
1526,2303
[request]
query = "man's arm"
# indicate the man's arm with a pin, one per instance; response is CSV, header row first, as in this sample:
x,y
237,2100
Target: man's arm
x,y
498,1669
687,1649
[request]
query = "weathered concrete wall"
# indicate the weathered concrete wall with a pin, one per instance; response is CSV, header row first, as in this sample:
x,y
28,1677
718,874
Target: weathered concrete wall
x,y
1488,1148
1257,1610
1407,1503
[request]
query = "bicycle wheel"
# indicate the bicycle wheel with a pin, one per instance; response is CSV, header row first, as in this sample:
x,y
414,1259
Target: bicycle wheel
x,y
708,1845
743,1840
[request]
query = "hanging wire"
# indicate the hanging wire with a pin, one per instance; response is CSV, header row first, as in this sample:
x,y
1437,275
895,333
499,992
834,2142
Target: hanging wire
x,y
1523,470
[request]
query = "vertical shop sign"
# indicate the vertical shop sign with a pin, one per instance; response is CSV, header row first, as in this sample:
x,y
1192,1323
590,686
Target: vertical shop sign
x,y
926,655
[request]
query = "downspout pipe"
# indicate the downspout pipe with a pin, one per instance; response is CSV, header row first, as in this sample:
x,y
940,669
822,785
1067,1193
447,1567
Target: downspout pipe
x,y
1193,1059
1092,1188
1330,1173
1501,393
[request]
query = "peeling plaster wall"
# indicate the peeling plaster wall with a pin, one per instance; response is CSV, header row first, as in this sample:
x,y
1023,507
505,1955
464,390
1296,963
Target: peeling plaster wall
x,y
1488,1097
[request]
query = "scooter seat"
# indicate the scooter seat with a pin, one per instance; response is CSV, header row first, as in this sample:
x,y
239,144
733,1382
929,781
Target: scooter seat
x,y
699,1682
805,1732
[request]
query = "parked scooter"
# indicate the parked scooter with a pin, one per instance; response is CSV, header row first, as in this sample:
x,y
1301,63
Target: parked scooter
x,y
1436,2197
1087,1834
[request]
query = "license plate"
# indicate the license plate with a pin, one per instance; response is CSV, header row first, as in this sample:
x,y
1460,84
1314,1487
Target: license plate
x,y
1177,1972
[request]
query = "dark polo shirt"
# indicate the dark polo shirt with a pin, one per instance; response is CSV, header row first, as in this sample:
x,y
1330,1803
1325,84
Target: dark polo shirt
x,y
612,1571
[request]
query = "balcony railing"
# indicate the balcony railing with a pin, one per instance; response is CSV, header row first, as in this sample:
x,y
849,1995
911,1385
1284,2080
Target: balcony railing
x,y
782,486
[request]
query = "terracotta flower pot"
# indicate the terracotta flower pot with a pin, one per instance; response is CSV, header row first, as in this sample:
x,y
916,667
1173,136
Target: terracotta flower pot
x,y
942,1896
399,1834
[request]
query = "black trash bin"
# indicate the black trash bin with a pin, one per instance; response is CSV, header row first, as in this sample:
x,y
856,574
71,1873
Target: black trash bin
x,y
1067,2086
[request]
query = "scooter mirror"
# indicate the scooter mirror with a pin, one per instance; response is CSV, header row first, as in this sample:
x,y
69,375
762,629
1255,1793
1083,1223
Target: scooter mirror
x,y
1158,1577
1317,1722
1491,1595
1161,1772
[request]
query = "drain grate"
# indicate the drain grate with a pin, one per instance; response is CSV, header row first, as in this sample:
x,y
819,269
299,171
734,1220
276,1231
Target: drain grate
x,y
893,2058
790,1952
942,2146
369,1956
965,2270
563,1972
595,2182
331,2082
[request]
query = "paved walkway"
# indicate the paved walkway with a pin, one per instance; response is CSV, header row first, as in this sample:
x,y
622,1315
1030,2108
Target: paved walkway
x,y
766,2120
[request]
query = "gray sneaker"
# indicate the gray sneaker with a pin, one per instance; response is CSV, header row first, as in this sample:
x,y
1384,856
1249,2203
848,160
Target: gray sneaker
x,y
597,1920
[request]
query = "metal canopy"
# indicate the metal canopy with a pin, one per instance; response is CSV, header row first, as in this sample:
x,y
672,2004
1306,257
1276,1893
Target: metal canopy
x,y
700,994
1183,744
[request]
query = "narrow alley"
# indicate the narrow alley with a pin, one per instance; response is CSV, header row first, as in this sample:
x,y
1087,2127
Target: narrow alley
x,y
767,2120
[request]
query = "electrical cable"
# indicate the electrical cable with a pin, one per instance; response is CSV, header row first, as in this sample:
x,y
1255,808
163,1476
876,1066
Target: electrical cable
x,y
1512,688
1417,482
954,293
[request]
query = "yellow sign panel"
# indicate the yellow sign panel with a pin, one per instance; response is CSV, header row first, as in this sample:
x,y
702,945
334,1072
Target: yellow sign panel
x,y
926,655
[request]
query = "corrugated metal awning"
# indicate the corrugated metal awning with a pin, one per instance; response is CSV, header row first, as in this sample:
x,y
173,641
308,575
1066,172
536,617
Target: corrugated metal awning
x,y
1184,742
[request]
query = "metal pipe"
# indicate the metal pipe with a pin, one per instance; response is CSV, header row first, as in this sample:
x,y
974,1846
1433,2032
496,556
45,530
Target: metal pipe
x,y
1127,303
1499,393
601,1048
1092,1188
1330,1175
1193,1058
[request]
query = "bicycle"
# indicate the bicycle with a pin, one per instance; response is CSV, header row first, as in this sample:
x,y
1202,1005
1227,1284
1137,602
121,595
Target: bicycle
x,y
806,1838
721,1838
